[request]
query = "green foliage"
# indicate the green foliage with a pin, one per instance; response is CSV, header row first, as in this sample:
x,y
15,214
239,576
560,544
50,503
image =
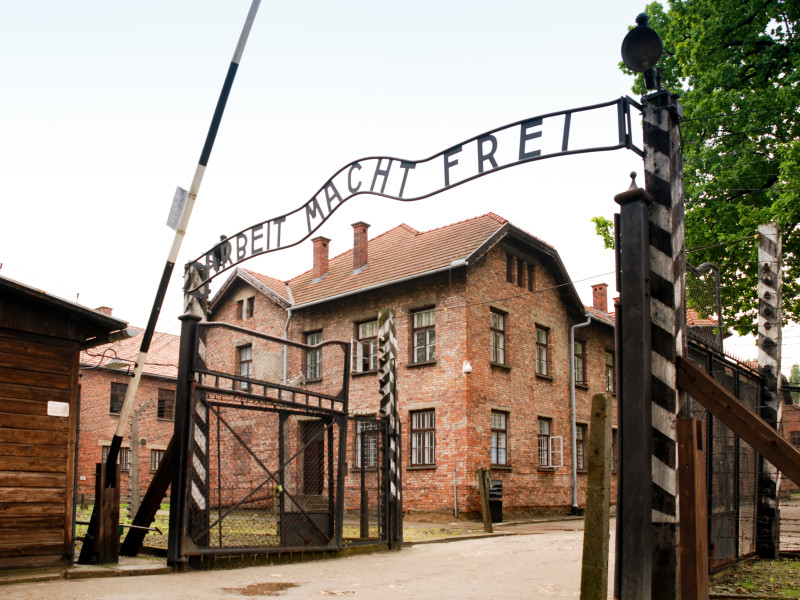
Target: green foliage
x,y
794,377
736,65
605,229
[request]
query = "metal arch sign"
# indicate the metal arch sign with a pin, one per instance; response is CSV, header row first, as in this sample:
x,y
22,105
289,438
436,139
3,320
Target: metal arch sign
x,y
536,138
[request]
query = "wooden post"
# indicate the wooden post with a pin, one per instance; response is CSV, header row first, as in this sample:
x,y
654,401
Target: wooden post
x,y
667,301
594,571
694,515
106,502
482,477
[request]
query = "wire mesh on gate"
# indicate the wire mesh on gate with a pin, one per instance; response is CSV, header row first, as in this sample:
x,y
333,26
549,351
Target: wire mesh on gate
x,y
365,486
703,304
731,464
267,445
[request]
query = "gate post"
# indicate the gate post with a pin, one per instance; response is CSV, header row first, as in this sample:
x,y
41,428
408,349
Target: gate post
x,y
387,365
634,539
194,312
769,365
664,181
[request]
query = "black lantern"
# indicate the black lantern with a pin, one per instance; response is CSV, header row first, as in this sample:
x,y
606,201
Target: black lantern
x,y
641,50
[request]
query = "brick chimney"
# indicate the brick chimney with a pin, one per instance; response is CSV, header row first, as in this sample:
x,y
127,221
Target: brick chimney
x,y
360,253
104,309
320,267
600,297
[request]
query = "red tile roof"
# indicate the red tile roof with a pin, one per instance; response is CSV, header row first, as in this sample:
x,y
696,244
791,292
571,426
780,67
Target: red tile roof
x,y
162,358
404,253
399,253
277,286
693,319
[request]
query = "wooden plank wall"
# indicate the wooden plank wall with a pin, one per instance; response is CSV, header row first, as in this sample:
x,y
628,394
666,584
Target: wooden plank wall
x,y
37,451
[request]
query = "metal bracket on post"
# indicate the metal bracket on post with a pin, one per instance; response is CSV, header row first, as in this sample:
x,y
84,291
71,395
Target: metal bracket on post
x,y
634,541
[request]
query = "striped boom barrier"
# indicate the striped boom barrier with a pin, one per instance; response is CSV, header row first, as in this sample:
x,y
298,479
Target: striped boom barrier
x,y
769,365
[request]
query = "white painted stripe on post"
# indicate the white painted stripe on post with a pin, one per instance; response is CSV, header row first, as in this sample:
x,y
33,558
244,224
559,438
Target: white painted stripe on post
x,y
663,369
658,517
663,421
199,439
660,263
198,467
662,315
664,476
198,497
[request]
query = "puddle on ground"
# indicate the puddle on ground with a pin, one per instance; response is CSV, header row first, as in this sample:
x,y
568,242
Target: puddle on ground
x,y
271,588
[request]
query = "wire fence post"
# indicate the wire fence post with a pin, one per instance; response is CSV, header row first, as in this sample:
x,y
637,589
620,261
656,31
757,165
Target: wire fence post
x,y
769,365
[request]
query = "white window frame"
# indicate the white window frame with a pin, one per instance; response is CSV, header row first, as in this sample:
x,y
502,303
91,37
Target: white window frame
x,y
423,439
364,351
313,358
550,446
579,362
426,344
367,430
498,434
497,342
245,364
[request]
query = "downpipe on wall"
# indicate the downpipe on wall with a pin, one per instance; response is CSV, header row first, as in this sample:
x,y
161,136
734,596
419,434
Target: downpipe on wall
x,y
575,509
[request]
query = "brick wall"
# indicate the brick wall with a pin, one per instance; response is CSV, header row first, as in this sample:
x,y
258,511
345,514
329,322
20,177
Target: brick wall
x,y
462,300
97,426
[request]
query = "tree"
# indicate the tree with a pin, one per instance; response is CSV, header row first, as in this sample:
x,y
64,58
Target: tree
x,y
736,65
794,377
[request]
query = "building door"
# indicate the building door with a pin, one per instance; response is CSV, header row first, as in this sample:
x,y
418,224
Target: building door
x,y
313,440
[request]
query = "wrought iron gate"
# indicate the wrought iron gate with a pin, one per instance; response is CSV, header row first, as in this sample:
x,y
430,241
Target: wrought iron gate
x,y
266,444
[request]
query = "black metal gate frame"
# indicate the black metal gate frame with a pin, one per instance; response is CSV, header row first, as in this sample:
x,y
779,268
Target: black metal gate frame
x,y
334,407
713,355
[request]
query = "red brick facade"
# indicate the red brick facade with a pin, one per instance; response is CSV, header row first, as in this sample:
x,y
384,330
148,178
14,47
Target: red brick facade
x,y
98,423
523,284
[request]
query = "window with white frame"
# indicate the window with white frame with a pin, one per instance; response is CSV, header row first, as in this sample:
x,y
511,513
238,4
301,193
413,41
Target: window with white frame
x,y
611,372
366,347
581,437
156,456
497,327
314,356
366,434
550,446
580,362
499,438
244,357
423,438
542,350
424,335
123,458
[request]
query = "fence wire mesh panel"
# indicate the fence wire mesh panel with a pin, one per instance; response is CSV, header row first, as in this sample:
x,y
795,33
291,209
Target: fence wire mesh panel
x,y
731,464
267,444
703,304
365,486
789,491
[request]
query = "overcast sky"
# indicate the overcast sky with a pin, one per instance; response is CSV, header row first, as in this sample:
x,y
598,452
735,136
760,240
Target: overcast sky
x,y
105,108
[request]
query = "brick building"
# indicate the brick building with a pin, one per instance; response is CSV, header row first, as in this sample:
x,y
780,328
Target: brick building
x,y
104,375
484,313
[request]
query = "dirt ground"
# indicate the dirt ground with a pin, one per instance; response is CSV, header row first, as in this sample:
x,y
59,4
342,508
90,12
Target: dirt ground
x,y
538,560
